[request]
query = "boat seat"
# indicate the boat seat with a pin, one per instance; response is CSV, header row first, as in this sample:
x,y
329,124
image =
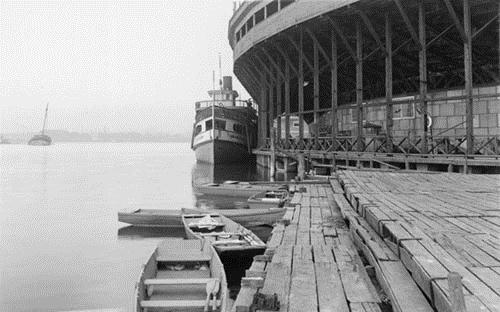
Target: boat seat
x,y
229,242
193,257
150,282
173,304
176,281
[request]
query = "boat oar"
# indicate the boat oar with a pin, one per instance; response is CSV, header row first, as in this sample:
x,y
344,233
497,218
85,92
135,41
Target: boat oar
x,y
212,288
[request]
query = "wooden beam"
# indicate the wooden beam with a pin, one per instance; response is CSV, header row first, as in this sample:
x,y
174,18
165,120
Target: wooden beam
x,y
456,20
422,60
339,32
439,35
271,107
469,124
316,41
371,29
316,87
279,102
334,88
300,87
287,103
388,82
408,24
480,30
359,85
286,58
264,67
263,110
273,62
300,48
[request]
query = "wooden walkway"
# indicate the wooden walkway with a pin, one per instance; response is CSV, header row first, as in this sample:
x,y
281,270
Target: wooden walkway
x,y
435,224
312,263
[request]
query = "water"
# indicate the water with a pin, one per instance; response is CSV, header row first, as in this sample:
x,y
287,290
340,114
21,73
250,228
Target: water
x,y
61,246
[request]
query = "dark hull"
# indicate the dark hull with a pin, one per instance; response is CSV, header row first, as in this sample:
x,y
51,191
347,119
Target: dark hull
x,y
221,152
40,140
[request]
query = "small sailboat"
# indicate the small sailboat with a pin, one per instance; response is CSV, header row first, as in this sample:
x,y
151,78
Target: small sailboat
x,y
268,199
224,234
41,139
182,275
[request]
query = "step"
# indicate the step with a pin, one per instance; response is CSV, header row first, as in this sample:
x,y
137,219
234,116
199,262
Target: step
x,y
177,281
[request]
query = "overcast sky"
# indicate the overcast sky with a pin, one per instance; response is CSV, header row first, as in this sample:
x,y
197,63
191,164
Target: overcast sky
x,y
119,65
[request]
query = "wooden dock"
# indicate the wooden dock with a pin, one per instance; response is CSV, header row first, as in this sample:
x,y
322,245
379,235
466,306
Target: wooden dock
x,y
369,239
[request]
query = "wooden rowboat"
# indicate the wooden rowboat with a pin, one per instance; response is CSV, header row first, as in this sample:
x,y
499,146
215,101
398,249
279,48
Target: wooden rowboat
x,y
224,234
267,199
236,188
172,218
182,275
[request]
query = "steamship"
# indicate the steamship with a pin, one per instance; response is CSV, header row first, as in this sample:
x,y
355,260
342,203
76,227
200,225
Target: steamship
x,y
225,129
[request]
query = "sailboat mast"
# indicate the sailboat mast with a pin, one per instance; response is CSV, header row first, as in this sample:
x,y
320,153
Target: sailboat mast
x,y
45,118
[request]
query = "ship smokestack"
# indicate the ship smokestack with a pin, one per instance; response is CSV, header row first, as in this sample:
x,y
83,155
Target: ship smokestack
x,y
227,83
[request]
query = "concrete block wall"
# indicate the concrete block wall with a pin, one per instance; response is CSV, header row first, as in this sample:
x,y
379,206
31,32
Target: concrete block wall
x,y
445,114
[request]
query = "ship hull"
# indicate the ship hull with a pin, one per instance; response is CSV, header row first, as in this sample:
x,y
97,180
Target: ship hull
x,y
220,152
40,140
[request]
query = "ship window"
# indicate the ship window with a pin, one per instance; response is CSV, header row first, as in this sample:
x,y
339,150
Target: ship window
x,y
272,8
220,124
243,31
237,36
259,16
208,125
285,3
197,129
295,124
249,23
238,128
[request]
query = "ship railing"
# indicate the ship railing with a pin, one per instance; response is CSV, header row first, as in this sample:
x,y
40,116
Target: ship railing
x,y
225,103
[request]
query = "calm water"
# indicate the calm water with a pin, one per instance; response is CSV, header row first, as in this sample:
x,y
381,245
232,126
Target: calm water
x,y
61,246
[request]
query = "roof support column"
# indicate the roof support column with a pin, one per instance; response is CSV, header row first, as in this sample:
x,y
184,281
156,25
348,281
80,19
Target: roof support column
x,y
422,61
388,82
469,124
271,105
316,90
300,87
287,104
279,101
334,87
359,85
263,110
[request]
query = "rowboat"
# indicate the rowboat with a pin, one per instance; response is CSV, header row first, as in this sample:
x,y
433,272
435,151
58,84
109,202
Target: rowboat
x,y
182,275
224,234
236,188
172,218
267,199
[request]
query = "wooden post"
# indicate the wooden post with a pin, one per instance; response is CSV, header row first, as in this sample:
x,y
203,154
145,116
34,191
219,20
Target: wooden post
x,y
271,104
334,87
301,166
300,87
422,60
469,124
359,84
264,103
388,82
279,101
272,169
316,90
287,104
457,299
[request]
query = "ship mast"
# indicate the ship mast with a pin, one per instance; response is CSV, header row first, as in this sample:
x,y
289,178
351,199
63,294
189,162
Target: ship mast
x,y
45,118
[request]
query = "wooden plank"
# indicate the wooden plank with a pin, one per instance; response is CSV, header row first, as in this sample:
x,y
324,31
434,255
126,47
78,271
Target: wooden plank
x,y
330,291
364,307
278,282
303,295
489,276
244,299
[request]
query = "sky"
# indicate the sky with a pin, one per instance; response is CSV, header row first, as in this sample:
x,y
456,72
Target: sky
x,y
110,65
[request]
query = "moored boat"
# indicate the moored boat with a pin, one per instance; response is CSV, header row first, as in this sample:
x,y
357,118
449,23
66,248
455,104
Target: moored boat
x,y
41,139
267,199
182,275
236,188
172,218
225,129
224,234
